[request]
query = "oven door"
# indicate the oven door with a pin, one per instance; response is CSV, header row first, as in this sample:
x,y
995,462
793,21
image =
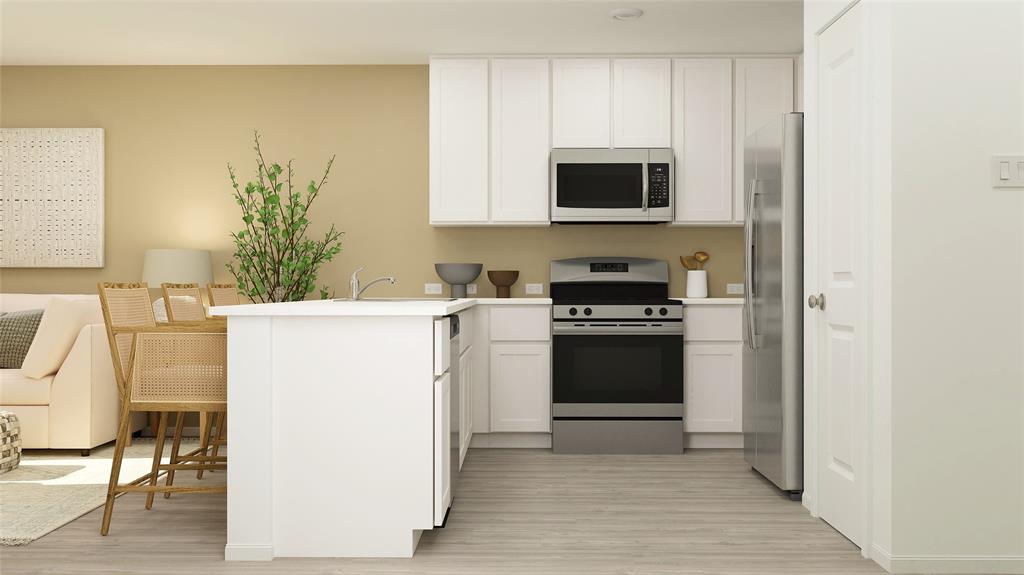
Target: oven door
x,y
599,185
613,375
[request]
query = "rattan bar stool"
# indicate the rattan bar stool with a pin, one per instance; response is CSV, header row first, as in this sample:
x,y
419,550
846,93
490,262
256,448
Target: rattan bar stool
x,y
184,303
215,430
166,369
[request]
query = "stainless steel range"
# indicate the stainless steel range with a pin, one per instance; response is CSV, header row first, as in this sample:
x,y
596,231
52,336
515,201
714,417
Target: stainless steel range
x,y
617,383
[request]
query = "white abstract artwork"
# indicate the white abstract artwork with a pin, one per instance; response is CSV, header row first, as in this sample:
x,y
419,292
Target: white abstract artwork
x,y
51,197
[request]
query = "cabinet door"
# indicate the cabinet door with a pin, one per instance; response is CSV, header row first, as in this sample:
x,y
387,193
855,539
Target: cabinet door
x,y
581,103
458,141
702,139
520,140
520,387
713,386
764,89
465,403
442,447
642,103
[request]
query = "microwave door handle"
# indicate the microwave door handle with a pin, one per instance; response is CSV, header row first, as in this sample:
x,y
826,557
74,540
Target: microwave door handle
x,y
748,229
643,177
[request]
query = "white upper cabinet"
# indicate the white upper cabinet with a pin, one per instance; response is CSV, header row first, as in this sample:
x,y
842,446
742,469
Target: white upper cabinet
x,y
520,140
458,141
642,103
764,90
702,139
581,103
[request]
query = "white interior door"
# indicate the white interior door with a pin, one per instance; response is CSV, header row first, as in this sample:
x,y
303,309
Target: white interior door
x,y
841,237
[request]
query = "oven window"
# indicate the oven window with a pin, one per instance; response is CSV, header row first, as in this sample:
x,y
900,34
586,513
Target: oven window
x,y
618,369
599,185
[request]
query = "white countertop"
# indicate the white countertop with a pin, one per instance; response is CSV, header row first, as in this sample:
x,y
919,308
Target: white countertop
x,y
368,307
709,300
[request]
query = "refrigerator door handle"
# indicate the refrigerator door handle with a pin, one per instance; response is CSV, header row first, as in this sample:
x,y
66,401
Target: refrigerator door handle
x,y
748,278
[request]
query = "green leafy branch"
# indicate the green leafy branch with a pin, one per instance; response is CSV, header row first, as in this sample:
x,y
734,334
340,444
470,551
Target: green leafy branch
x,y
274,260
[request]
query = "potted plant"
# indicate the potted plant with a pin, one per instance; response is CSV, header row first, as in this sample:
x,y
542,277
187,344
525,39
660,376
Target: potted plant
x,y
274,261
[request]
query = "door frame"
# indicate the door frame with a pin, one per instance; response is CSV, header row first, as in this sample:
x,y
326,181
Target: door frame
x,y
876,425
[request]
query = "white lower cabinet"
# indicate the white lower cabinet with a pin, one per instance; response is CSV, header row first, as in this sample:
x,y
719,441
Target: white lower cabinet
x,y
442,447
713,375
465,402
712,399
521,387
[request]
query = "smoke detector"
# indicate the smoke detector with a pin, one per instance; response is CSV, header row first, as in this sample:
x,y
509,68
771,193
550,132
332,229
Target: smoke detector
x,y
626,14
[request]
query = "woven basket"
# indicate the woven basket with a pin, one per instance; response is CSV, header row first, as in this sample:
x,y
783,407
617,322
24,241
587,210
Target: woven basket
x,y
10,441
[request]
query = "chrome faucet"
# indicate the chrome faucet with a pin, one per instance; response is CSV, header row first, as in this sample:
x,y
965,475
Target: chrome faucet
x,y
354,283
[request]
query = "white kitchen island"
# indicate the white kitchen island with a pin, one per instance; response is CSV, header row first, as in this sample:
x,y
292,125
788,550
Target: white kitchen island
x,y
331,427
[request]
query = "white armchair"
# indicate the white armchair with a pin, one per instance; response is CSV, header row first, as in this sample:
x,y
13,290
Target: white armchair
x,y
70,401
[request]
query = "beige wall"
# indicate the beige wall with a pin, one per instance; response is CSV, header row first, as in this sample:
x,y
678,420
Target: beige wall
x,y
170,132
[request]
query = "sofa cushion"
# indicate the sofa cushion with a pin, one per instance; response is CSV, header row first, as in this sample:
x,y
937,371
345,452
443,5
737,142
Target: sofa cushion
x,y
18,389
17,330
64,318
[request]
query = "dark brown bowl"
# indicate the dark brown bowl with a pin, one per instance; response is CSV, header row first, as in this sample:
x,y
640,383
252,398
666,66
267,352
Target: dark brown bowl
x,y
503,280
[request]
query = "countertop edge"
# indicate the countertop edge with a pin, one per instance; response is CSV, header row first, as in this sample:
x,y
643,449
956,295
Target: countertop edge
x,y
329,308
709,300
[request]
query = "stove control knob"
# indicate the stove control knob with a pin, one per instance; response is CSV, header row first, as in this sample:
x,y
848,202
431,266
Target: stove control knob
x,y
572,311
663,311
587,311
648,311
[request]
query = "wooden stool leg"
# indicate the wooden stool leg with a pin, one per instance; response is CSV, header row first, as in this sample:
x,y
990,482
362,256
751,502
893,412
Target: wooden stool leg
x,y
120,442
161,434
179,424
222,430
204,440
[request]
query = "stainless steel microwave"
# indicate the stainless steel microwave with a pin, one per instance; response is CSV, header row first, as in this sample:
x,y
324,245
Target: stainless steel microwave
x,y
626,185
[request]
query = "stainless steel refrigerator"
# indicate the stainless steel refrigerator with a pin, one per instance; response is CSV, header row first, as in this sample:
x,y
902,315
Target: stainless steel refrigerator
x,y
773,312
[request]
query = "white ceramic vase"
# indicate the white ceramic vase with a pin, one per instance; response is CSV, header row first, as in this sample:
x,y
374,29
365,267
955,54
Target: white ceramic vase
x,y
696,283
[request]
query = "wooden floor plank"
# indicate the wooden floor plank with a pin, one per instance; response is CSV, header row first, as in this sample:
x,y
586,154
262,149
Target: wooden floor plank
x,y
516,512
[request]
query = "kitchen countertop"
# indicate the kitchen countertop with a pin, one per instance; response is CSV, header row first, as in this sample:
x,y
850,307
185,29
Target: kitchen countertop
x,y
709,300
368,307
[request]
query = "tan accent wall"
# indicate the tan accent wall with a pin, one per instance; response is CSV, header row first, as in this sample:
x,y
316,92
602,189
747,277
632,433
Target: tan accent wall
x,y
170,131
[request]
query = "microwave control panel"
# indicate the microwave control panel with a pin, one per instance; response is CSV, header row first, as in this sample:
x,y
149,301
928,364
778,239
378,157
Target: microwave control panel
x,y
657,185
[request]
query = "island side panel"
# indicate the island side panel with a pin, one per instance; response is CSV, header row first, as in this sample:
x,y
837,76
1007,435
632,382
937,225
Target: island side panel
x,y
250,534
353,435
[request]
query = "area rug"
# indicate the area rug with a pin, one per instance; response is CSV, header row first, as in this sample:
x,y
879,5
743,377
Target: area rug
x,y
52,488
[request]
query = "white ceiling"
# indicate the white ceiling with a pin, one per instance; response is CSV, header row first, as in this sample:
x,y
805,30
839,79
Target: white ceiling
x,y
49,32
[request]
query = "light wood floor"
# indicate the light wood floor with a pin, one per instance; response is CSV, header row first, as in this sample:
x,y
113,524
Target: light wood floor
x,y
516,511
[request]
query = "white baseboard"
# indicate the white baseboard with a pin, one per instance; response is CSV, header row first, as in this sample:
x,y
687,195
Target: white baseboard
x,y
248,552
511,440
881,556
713,441
947,564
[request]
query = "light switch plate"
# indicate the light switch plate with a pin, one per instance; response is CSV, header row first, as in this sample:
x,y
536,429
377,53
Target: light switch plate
x,y
534,289
432,289
471,289
734,289
1007,171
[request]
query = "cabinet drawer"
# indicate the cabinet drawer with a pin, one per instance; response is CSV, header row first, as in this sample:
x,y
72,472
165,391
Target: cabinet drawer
x,y
520,323
713,323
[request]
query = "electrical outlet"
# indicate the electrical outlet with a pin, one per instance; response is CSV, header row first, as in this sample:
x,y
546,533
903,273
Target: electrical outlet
x,y
734,289
432,289
471,289
534,289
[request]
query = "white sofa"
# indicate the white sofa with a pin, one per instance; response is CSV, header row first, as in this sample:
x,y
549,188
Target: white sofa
x,y
76,406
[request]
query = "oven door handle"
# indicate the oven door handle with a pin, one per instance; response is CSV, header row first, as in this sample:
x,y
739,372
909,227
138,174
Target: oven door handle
x,y
674,329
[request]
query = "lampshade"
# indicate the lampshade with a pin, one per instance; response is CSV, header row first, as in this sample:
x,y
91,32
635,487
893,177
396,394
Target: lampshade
x,y
177,266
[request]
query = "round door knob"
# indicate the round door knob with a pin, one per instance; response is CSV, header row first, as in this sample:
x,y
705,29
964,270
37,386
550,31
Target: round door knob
x,y
648,311
816,301
572,311
663,311
587,311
